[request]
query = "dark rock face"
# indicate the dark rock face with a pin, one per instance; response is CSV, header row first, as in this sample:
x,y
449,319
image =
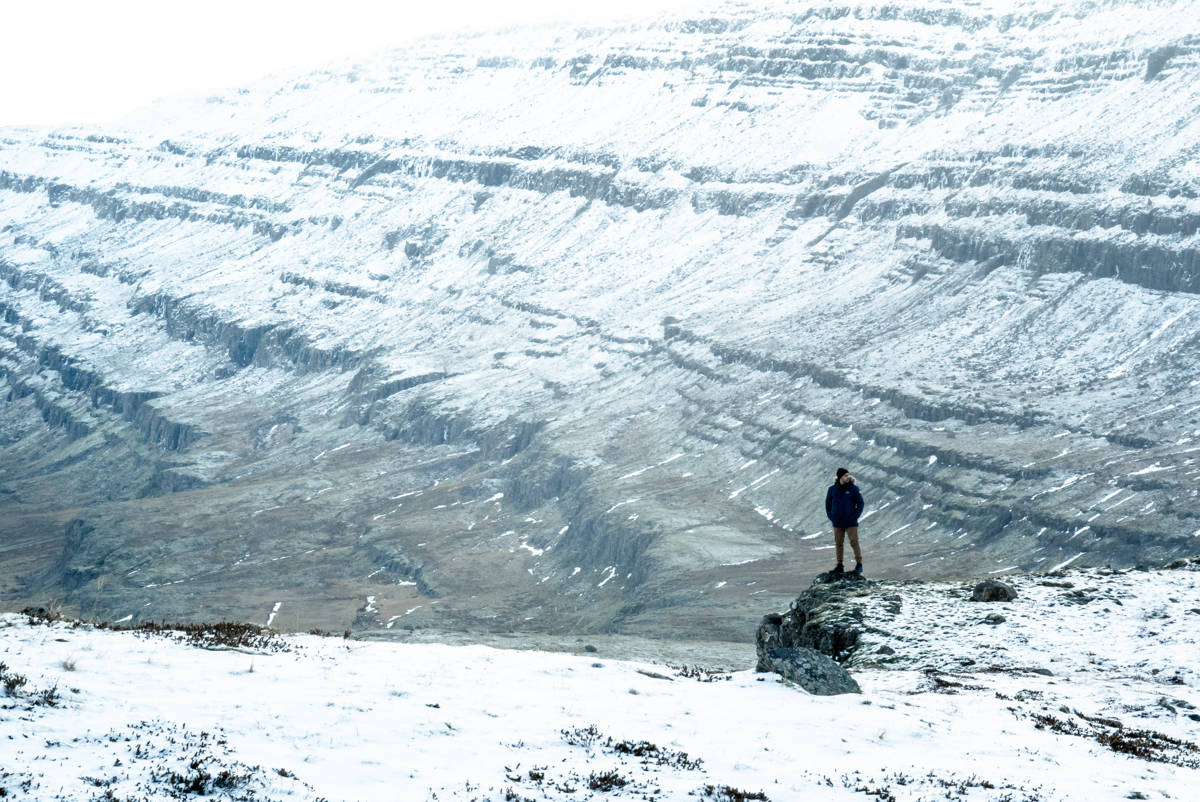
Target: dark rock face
x,y
992,590
812,671
297,361
827,617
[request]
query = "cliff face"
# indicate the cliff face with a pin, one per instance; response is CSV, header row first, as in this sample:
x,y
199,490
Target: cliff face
x,y
567,330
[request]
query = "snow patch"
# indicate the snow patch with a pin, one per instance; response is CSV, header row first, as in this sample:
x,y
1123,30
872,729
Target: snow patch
x,y
1065,563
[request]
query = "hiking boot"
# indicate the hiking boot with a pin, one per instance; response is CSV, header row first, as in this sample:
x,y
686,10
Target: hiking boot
x,y
858,569
838,570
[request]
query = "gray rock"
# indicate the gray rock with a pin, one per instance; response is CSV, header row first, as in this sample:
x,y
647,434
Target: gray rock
x,y
992,590
826,617
994,619
812,671
1078,596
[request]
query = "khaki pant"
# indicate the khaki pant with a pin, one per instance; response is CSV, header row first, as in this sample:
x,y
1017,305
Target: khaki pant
x,y
839,535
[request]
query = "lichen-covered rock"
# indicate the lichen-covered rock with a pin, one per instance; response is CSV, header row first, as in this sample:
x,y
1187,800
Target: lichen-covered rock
x,y
992,590
812,671
827,617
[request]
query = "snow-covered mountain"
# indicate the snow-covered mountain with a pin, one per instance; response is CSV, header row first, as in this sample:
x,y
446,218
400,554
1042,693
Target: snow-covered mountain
x,y
1031,709
566,330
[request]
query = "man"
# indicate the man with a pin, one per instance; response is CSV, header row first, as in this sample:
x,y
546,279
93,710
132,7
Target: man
x,y
843,505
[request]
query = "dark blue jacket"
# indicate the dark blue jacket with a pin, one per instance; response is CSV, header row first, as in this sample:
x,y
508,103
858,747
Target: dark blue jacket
x,y
843,504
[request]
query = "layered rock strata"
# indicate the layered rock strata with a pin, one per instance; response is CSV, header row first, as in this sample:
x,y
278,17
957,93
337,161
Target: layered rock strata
x,y
566,330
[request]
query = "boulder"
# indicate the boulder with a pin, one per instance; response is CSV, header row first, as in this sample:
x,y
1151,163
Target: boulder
x,y
993,590
814,672
827,617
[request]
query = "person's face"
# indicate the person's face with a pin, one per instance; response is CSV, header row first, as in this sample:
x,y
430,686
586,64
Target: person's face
x,y
845,480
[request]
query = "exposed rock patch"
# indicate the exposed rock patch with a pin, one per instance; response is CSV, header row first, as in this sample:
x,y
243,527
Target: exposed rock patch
x,y
826,619
992,590
812,671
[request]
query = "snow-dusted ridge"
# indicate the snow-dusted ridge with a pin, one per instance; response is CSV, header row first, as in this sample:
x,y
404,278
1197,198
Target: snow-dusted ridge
x,y
953,246
1023,710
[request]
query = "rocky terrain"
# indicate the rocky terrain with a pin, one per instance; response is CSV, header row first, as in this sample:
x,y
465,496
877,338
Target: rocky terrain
x,y
564,331
1016,701
941,627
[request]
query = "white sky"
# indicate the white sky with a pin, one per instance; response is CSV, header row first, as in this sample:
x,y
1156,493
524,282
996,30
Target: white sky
x,y
92,61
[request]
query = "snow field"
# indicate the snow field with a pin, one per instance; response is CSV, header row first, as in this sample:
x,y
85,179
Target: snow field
x,y
352,720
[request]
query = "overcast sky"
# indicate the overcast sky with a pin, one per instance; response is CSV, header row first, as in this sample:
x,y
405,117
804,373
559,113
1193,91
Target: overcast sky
x,y
92,61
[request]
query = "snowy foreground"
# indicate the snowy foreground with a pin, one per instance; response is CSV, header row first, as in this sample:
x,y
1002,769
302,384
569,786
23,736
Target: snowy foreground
x,y
1085,691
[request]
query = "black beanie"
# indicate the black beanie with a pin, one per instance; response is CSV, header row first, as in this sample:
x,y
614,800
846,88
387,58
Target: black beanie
x,y
842,472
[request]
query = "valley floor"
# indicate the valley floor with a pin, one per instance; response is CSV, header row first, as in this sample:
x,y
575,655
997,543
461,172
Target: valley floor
x,y
120,715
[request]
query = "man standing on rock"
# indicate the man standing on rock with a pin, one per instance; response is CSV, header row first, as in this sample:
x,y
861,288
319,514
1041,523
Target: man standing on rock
x,y
843,505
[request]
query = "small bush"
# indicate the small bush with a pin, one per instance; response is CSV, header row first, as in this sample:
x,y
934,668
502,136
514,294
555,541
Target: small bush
x,y
582,737
648,753
1145,744
724,793
68,664
702,674
14,683
11,680
654,754
198,781
222,635
608,781
49,697
44,615
512,796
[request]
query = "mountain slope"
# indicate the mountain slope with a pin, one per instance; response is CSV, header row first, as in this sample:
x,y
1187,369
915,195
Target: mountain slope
x,y
290,344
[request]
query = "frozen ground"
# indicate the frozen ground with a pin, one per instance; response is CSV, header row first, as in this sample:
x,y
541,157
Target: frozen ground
x,y
1084,700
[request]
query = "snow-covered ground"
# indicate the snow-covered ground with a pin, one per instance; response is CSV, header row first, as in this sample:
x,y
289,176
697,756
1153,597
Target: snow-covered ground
x,y
142,716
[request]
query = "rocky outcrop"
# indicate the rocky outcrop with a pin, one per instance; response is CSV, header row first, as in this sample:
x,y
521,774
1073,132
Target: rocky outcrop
x,y
827,618
993,590
1189,563
812,671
